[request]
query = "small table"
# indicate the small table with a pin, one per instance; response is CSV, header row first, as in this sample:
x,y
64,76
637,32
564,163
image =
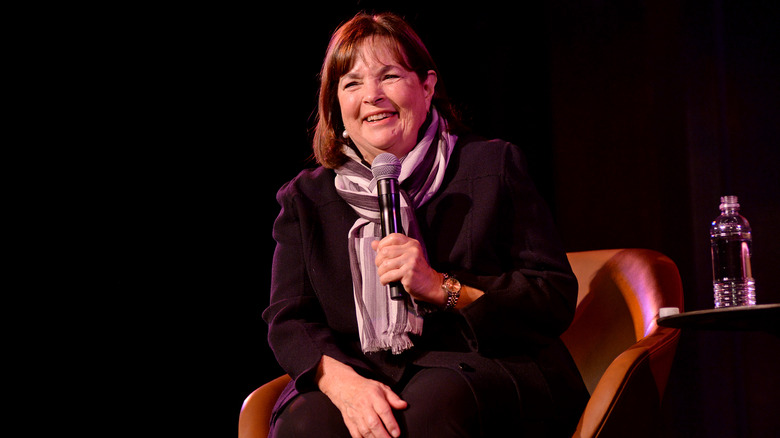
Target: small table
x,y
763,317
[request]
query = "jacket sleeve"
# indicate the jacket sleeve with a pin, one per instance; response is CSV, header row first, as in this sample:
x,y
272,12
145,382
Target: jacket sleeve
x,y
531,297
298,332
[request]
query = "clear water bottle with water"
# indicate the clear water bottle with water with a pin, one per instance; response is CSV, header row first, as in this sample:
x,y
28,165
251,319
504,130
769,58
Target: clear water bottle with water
x,y
731,241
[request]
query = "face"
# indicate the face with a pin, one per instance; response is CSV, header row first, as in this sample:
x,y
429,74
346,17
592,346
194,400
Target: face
x,y
383,105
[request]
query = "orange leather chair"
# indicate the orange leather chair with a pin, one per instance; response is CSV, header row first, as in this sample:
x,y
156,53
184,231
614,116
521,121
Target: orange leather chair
x,y
623,356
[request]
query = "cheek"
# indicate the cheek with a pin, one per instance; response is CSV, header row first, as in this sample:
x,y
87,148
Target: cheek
x,y
349,111
416,112
412,100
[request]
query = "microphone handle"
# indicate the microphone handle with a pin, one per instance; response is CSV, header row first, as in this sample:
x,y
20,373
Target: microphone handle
x,y
396,291
390,212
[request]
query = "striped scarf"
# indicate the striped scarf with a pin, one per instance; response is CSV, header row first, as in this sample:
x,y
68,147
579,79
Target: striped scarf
x,y
384,324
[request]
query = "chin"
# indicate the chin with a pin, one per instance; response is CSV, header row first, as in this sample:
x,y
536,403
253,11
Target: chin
x,y
384,146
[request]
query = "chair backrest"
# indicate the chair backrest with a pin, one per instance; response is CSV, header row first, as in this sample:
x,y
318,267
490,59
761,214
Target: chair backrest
x,y
623,356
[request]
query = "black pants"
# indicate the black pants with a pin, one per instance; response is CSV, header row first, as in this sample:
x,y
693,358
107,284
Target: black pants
x,y
440,404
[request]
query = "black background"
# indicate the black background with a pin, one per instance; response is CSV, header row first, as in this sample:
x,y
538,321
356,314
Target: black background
x,y
636,116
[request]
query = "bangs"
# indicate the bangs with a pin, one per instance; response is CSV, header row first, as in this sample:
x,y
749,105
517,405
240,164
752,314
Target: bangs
x,y
345,55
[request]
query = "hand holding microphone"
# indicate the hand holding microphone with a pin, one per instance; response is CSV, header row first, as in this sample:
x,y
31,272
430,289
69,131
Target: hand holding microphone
x,y
386,169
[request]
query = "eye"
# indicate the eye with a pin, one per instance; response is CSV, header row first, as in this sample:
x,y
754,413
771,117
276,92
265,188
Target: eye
x,y
350,84
390,76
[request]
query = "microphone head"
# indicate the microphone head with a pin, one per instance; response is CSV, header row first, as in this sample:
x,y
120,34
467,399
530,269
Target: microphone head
x,y
386,166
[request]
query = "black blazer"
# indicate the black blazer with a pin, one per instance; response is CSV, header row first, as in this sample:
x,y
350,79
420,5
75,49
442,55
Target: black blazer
x,y
489,227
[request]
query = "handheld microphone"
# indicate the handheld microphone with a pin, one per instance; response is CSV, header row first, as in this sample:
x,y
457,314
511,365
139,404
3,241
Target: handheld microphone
x,y
386,169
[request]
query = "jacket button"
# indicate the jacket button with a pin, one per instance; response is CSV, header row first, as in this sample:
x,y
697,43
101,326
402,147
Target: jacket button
x,y
465,367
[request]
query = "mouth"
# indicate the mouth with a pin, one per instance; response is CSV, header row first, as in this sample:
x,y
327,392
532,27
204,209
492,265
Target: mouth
x,y
373,118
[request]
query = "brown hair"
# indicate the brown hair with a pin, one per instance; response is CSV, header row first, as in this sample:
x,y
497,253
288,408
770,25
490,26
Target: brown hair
x,y
342,52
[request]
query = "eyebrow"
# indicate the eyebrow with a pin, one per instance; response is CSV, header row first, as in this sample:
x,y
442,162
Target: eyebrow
x,y
382,70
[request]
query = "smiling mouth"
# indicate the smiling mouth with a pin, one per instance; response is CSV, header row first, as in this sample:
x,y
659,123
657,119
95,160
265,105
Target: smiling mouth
x,y
378,117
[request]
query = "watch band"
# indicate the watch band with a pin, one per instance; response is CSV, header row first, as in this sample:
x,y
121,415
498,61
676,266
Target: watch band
x,y
452,286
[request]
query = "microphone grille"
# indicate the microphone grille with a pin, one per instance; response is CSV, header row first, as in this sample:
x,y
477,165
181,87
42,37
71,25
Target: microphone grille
x,y
386,166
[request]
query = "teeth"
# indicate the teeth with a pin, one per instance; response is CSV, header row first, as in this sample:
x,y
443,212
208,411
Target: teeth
x,y
376,117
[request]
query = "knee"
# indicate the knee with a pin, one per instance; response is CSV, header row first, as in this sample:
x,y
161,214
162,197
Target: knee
x,y
441,403
310,414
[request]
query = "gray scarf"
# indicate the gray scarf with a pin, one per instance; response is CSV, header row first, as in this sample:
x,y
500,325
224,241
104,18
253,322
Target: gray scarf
x,y
383,323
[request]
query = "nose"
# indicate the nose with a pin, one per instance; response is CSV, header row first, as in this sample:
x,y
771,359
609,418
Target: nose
x,y
374,94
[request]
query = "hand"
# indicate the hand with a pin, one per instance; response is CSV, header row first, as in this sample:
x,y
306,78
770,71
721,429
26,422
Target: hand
x,y
366,405
401,258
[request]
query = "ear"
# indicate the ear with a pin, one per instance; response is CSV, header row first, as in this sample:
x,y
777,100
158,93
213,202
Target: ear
x,y
429,86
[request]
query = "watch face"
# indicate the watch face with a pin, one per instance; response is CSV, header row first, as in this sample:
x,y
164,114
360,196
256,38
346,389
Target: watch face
x,y
452,284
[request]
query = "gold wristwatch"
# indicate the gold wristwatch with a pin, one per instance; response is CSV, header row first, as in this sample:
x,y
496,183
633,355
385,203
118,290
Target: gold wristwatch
x,y
452,286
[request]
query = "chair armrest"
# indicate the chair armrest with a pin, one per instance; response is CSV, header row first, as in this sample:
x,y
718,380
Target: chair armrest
x,y
633,383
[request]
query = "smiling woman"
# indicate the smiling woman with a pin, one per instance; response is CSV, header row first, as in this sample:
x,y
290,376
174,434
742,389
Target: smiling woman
x,y
383,50
481,266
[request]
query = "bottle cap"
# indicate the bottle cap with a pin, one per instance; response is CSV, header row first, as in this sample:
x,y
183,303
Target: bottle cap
x,y
728,202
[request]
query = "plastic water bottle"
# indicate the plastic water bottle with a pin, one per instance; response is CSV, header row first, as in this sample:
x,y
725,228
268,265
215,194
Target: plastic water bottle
x,y
730,238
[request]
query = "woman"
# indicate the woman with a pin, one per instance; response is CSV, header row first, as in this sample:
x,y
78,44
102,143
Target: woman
x,y
473,350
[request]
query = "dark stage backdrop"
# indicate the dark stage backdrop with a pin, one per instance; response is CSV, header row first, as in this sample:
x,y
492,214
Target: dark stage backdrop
x,y
635,117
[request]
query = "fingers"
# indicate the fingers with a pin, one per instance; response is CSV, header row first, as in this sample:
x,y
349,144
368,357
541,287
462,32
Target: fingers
x,y
374,416
401,258
394,400
384,409
390,240
395,250
384,422
369,424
